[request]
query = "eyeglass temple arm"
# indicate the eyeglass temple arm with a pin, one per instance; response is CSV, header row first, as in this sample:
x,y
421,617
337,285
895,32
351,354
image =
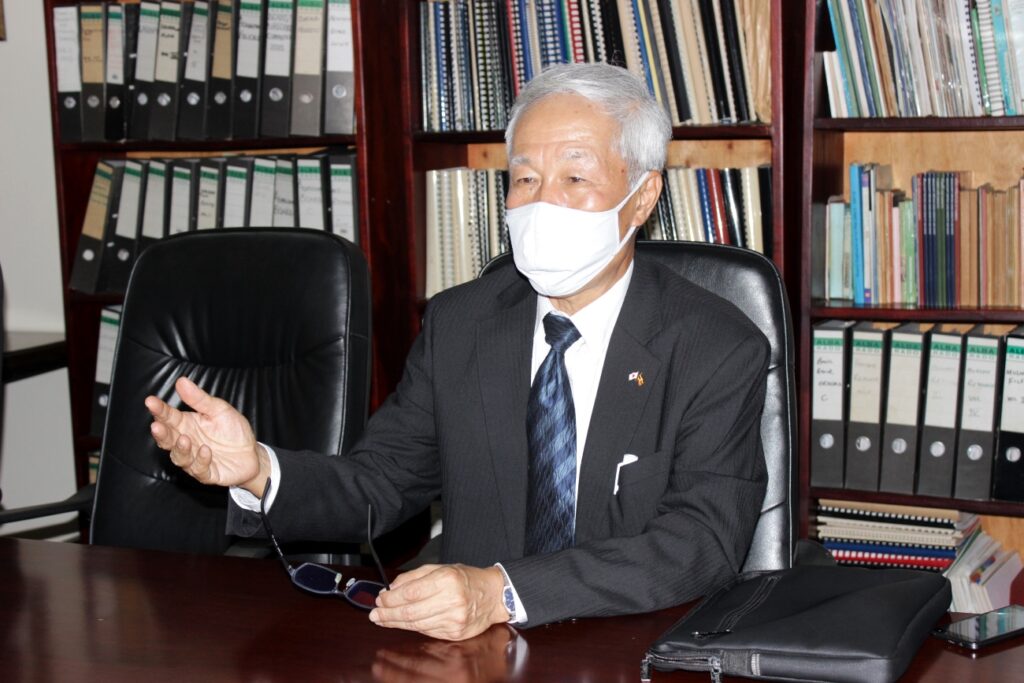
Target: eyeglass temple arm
x,y
373,551
270,532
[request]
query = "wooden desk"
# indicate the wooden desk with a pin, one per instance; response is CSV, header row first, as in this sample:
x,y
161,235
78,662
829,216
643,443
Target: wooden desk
x,y
85,613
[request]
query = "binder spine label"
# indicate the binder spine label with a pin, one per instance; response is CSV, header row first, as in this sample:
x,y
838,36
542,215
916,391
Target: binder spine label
x,y
943,382
339,36
92,44
979,384
181,200
828,375
198,38
65,29
209,188
309,24
96,209
115,45
149,26
128,207
866,377
250,16
166,69
236,182
153,211
261,209
1012,419
904,380
342,222
278,58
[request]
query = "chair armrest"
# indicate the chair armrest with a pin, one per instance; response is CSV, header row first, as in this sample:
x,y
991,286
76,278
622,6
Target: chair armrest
x,y
80,501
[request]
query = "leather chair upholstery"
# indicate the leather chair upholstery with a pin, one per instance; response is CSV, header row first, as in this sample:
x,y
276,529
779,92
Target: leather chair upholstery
x,y
753,284
276,322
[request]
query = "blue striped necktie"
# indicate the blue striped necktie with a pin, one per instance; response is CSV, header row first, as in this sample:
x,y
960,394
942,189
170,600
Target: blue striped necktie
x,y
551,430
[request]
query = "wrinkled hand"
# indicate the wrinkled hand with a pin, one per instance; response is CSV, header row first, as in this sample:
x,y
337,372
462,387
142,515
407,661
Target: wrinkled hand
x,y
451,601
215,444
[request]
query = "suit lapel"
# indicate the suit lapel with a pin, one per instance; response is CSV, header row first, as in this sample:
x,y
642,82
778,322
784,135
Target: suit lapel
x,y
505,345
620,402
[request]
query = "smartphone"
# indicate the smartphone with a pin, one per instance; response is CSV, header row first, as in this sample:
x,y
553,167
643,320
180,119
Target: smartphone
x,y
984,629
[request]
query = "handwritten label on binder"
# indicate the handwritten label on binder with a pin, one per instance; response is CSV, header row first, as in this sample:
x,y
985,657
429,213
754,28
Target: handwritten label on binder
x,y
828,375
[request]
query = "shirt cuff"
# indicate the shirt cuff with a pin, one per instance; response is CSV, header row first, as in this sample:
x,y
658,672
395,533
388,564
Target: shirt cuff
x,y
520,610
246,500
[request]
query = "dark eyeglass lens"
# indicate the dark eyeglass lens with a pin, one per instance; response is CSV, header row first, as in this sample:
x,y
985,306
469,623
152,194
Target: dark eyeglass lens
x,y
316,578
364,593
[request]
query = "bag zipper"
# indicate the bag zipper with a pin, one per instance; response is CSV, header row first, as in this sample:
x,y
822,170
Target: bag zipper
x,y
711,663
753,602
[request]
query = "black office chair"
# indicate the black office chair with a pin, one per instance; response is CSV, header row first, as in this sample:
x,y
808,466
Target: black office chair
x,y
752,283
276,322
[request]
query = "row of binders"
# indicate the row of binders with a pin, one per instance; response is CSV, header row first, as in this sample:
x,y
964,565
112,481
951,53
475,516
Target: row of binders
x,y
705,61
912,58
945,245
204,70
135,202
884,535
918,408
717,205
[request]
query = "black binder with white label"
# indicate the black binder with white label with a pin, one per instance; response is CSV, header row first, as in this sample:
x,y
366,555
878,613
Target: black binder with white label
x,y
937,449
869,351
145,70
195,78
222,70
830,378
976,441
276,97
1008,474
122,235
69,73
308,69
94,102
907,363
114,124
171,37
339,70
245,116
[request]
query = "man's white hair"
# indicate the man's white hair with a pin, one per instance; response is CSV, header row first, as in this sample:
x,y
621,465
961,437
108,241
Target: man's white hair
x,y
644,126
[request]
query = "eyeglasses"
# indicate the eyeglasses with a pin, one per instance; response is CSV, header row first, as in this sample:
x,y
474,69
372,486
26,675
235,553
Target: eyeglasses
x,y
321,580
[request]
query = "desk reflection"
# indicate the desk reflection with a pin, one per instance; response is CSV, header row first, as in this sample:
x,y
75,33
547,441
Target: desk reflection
x,y
497,654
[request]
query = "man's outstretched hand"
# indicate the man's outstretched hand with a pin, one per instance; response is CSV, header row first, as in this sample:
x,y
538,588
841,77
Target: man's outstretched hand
x,y
215,444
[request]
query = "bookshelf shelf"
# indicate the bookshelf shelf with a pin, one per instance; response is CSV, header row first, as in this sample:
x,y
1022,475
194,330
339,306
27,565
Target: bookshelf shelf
x,y
922,124
980,315
981,507
987,149
180,146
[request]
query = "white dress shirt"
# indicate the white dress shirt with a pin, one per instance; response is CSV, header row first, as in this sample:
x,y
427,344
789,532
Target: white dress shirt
x,y
583,363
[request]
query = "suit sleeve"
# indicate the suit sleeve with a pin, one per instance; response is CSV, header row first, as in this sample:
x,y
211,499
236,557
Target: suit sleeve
x,y
394,467
704,522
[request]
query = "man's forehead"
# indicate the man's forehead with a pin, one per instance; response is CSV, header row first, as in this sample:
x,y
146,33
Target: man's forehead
x,y
570,153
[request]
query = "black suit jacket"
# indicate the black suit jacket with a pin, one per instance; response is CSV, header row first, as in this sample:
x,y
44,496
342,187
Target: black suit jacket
x,y
685,511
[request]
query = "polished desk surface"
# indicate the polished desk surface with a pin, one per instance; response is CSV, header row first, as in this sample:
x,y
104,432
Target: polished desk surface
x,y
86,613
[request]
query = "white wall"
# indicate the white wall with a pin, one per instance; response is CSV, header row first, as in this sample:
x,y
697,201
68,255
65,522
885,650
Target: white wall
x,y
36,462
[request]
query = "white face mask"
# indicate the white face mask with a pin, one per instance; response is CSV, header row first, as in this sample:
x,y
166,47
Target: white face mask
x,y
558,249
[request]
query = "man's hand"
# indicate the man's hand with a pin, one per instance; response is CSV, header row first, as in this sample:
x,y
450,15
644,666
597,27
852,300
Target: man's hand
x,y
451,601
215,444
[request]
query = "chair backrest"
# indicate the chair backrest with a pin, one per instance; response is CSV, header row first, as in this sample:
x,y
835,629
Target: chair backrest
x,y
752,283
276,322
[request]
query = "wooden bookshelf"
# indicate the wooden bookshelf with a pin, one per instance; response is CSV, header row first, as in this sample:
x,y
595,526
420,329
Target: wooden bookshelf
x,y
988,148
381,200
709,145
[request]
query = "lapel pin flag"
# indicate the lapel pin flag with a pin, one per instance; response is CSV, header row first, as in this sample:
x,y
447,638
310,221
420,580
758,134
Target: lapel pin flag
x,y
638,377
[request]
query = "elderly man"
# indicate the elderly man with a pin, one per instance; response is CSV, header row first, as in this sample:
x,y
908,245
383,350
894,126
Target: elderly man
x,y
591,422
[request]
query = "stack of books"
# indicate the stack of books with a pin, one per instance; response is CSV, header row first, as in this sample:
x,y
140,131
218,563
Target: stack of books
x,y
883,535
983,574
942,244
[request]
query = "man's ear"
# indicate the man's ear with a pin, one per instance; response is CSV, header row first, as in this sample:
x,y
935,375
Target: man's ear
x,y
646,198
